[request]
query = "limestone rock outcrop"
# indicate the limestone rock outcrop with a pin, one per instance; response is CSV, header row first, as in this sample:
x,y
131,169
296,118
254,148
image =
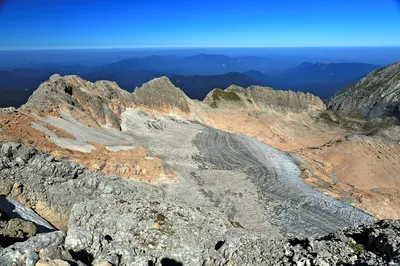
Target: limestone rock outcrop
x,y
376,96
95,104
160,93
265,98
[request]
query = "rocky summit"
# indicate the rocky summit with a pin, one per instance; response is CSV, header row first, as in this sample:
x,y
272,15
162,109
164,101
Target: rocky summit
x,y
265,97
376,96
93,175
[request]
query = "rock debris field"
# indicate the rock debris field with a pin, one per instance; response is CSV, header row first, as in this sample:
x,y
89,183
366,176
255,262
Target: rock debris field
x,y
236,201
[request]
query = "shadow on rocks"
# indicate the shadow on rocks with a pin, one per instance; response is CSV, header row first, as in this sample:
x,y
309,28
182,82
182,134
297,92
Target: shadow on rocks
x,y
10,210
170,262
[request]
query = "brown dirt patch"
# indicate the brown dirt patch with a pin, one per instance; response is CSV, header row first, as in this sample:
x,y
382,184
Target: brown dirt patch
x,y
364,171
127,164
285,132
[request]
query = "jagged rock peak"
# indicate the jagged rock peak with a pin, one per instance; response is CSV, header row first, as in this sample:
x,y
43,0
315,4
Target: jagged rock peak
x,y
265,97
161,93
376,96
97,103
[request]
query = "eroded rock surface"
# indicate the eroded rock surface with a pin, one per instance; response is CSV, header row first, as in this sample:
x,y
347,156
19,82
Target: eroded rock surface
x,y
132,223
43,246
161,94
360,167
94,104
265,98
101,149
373,244
376,96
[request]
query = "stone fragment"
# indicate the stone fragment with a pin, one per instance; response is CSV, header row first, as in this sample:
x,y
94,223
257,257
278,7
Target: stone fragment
x,y
52,263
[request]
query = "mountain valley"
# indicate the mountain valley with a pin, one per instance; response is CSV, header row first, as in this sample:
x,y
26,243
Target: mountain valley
x,y
154,177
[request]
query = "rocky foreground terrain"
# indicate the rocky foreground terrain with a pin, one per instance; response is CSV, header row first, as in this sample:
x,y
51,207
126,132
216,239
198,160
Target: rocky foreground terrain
x,y
93,175
112,221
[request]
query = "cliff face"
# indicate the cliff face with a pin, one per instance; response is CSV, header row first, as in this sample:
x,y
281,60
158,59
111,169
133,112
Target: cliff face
x,y
265,97
102,103
161,94
376,96
286,100
99,103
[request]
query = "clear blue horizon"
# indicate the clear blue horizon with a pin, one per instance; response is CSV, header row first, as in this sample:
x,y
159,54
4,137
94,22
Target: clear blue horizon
x,y
203,49
104,24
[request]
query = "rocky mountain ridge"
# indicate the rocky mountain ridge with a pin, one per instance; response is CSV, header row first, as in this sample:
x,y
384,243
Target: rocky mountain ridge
x,y
161,94
266,98
102,102
95,103
376,96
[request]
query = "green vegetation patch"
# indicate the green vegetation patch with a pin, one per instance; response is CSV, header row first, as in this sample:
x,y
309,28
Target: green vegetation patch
x,y
236,224
359,249
219,94
354,122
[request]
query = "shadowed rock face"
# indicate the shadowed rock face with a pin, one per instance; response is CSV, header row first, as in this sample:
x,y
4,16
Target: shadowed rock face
x,y
13,230
376,96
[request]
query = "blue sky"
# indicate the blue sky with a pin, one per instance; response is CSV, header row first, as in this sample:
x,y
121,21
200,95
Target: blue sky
x,y
43,24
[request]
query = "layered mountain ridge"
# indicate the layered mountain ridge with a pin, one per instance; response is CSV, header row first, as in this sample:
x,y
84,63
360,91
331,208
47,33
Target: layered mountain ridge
x,y
266,97
102,102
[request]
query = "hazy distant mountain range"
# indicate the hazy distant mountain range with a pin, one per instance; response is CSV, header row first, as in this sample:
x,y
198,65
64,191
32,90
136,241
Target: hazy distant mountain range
x,y
321,79
197,86
196,75
14,98
126,79
195,65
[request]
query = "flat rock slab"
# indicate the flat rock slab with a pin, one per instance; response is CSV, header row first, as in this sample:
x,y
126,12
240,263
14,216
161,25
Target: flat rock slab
x,y
14,209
